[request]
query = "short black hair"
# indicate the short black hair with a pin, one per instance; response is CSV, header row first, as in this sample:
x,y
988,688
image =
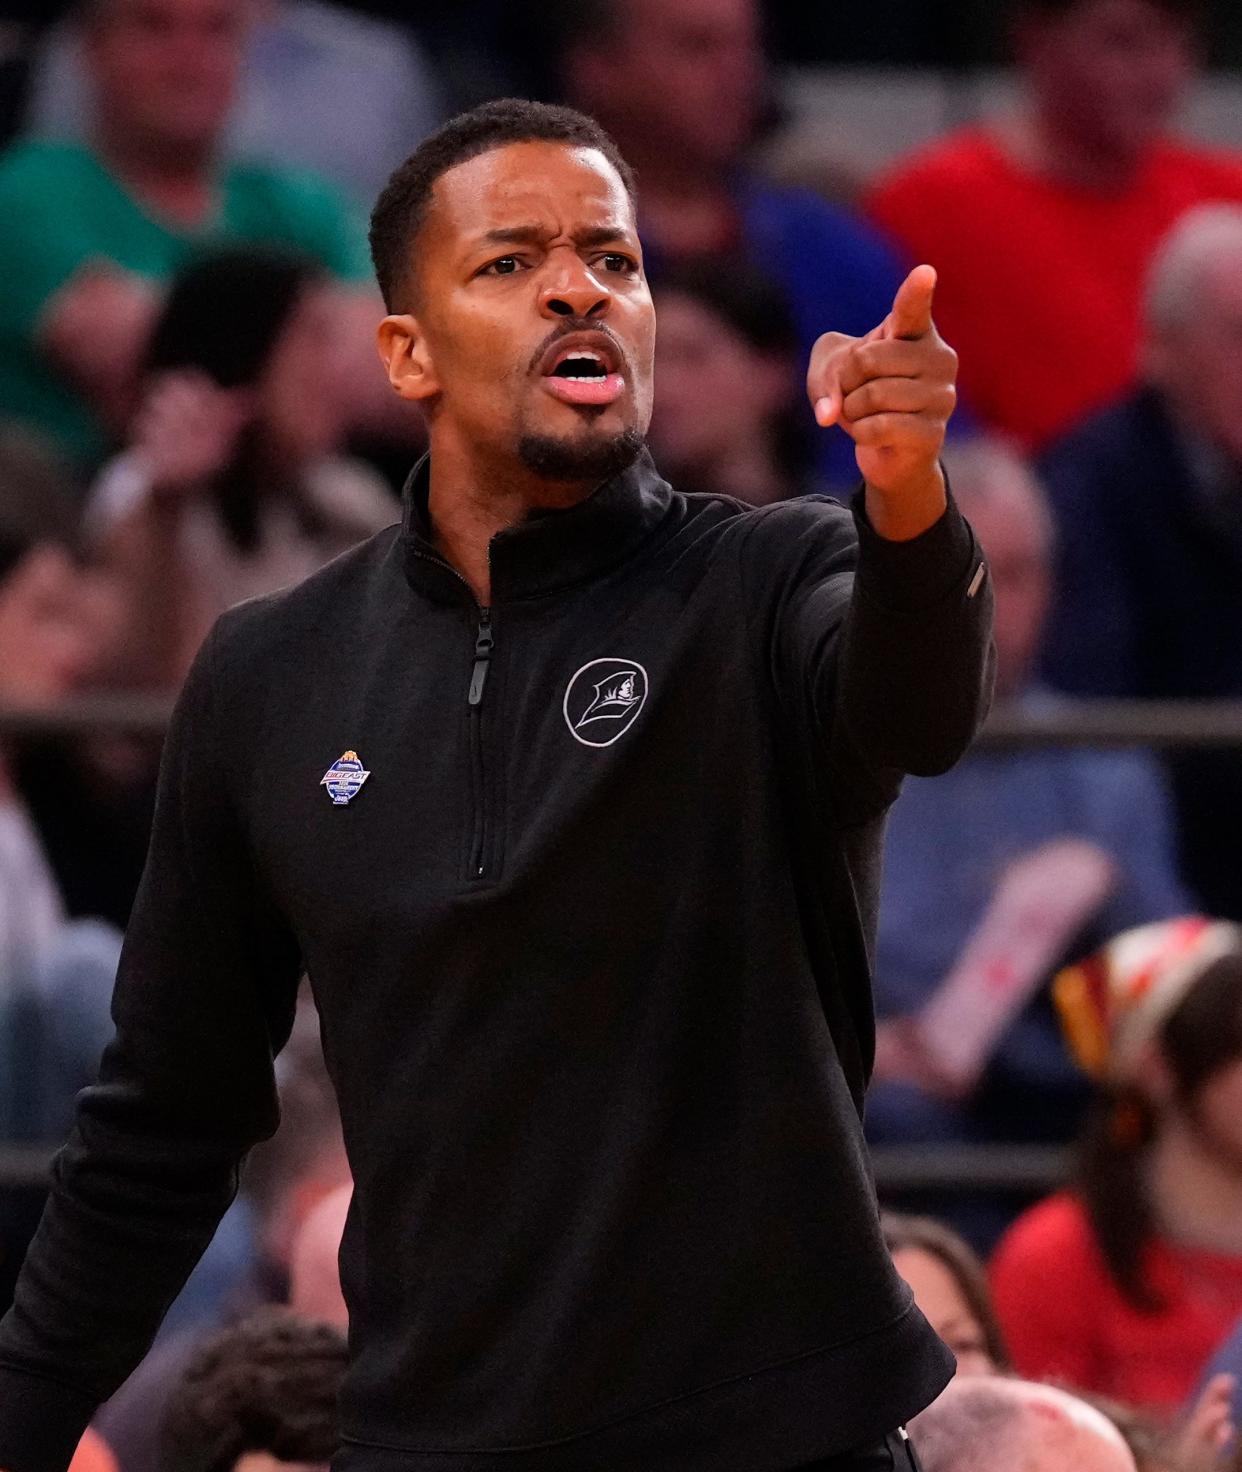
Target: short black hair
x,y
402,206
268,1384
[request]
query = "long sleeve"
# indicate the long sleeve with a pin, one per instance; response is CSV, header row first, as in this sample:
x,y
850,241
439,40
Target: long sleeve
x,y
204,1000
883,649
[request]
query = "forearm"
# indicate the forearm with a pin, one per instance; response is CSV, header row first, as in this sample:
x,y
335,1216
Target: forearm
x,y
915,671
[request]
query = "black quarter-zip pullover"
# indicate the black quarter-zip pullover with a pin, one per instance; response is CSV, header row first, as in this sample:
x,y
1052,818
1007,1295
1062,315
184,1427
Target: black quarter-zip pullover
x,y
590,942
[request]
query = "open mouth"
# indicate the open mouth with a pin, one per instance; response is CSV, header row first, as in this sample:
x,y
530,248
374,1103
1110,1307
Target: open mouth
x,y
581,366
582,373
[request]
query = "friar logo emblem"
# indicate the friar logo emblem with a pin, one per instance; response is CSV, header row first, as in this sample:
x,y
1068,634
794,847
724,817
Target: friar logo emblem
x,y
603,700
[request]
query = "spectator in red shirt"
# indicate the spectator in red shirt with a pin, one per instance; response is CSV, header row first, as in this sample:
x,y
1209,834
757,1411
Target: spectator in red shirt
x,y
1057,211
1125,1285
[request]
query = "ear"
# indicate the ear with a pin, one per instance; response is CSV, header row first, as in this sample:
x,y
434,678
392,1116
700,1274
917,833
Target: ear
x,y
406,358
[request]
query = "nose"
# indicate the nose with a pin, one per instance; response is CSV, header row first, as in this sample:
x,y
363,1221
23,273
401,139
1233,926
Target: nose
x,y
571,289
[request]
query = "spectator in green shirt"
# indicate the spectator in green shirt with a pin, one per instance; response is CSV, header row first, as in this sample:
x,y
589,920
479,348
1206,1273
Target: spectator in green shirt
x,y
92,232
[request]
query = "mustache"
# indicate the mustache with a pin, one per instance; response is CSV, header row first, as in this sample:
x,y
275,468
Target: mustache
x,y
566,327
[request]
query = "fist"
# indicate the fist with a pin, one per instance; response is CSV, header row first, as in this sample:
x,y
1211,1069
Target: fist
x,y
892,391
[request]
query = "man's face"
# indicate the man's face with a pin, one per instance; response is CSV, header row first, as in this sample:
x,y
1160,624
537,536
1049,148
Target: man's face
x,y
166,70
532,330
1199,364
687,76
1114,71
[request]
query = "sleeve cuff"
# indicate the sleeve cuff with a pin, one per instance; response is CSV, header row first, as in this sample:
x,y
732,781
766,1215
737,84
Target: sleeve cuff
x,y
941,562
41,1422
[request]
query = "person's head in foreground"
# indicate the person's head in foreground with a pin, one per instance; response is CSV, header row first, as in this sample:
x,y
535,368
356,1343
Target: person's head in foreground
x,y
1108,74
1193,324
257,1397
1156,1018
950,1287
999,494
730,415
986,1424
519,317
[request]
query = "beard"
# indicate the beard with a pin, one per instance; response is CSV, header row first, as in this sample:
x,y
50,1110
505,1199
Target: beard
x,y
586,457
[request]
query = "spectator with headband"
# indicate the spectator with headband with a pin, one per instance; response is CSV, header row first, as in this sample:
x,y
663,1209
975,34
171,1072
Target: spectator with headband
x,y
1058,209
1146,496
1126,1283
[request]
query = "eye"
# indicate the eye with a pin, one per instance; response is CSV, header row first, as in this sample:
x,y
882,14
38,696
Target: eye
x,y
619,264
503,266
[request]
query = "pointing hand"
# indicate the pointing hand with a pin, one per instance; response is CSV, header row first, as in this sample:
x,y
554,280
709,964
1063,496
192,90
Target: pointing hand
x,y
892,392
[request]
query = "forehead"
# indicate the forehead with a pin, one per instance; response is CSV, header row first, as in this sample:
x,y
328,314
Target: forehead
x,y
557,186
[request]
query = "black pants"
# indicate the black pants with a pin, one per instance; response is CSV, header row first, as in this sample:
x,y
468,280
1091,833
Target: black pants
x,y
894,1454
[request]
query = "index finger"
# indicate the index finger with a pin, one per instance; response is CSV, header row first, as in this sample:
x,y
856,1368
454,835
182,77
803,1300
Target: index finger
x,y
912,307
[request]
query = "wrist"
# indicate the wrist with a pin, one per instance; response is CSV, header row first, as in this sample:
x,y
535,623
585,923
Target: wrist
x,y
901,513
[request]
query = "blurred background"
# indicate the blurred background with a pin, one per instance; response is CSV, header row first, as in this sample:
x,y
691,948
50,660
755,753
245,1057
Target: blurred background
x,y
191,413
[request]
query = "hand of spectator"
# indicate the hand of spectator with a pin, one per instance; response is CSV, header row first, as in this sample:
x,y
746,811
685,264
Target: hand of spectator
x,y
900,1057
186,431
1201,1445
893,392
94,329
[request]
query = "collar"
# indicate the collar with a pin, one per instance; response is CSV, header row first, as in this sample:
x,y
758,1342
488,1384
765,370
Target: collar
x,y
548,550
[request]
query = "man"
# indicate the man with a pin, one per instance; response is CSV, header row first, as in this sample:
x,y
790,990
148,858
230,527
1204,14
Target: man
x,y
307,64
585,889
1010,866
93,231
983,1424
1059,209
1146,494
681,87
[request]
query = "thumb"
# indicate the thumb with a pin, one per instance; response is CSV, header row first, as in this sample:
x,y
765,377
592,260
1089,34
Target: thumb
x,y
912,307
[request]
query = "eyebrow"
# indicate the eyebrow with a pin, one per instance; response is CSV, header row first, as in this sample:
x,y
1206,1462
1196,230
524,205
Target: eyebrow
x,y
528,234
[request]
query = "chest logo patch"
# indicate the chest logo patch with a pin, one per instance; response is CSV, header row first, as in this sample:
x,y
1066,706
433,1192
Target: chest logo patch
x,y
603,700
344,778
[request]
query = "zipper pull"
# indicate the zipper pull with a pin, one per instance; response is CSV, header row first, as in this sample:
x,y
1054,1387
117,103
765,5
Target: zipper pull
x,y
482,655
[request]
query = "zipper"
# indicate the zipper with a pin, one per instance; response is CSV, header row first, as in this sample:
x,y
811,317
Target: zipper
x,y
483,643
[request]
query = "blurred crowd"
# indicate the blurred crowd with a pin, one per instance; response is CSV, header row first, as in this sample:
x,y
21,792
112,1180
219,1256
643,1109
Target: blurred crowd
x,y
192,413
